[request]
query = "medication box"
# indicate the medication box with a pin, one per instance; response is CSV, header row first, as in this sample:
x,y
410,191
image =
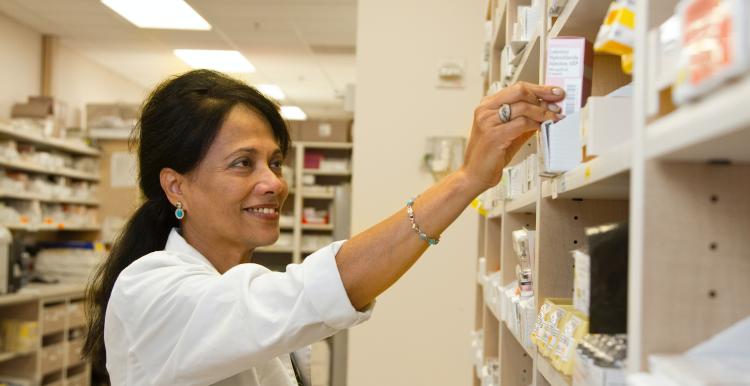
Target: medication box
x,y
569,66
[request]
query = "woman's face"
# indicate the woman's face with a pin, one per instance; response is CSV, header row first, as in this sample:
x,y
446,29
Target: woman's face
x,y
235,194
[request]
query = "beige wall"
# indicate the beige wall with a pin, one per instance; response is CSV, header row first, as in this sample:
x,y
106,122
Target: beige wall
x,y
76,80
419,333
20,63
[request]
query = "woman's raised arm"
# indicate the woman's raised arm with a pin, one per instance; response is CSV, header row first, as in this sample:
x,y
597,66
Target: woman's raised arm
x,y
373,260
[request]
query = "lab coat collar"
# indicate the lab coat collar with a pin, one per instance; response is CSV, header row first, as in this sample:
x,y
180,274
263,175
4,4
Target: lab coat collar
x,y
177,244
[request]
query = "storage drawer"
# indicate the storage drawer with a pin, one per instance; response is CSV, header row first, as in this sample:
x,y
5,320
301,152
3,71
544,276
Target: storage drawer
x,y
52,358
78,380
76,317
74,352
53,318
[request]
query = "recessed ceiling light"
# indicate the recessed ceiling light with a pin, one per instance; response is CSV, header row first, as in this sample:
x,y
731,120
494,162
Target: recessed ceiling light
x,y
163,14
293,113
272,91
219,60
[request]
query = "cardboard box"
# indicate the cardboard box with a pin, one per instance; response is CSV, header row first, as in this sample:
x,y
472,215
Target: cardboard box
x,y
606,123
570,63
112,115
53,113
560,145
295,129
325,131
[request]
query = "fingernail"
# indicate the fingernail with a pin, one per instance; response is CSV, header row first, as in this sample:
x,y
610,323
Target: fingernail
x,y
553,107
560,116
557,91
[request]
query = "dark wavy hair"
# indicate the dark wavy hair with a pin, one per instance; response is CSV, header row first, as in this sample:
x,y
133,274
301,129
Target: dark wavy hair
x,y
179,121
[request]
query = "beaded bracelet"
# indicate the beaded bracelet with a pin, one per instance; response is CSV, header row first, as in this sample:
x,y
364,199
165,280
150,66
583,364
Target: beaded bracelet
x,y
422,235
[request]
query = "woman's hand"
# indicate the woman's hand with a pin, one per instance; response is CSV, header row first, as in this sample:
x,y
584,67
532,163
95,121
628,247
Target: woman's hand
x,y
493,143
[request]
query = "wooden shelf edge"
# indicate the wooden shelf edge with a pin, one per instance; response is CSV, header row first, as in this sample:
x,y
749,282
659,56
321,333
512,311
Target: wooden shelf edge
x,y
498,37
554,377
529,350
695,123
54,143
318,172
275,249
526,202
325,145
6,356
590,175
534,42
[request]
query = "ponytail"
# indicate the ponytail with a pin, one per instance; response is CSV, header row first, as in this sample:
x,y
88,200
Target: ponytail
x,y
145,232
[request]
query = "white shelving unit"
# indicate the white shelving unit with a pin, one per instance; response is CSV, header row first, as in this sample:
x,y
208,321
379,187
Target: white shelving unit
x,y
74,148
682,183
68,146
298,199
58,312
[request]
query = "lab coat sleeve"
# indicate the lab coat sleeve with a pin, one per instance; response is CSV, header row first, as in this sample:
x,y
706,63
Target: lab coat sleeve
x,y
187,326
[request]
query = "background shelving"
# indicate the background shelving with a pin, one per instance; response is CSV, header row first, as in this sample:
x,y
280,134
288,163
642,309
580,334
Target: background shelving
x,y
681,183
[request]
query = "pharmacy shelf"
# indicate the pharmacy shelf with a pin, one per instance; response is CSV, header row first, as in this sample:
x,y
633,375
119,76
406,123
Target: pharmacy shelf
x,y
37,197
6,356
64,172
580,18
50,227
275,249
50,143
325,145
604,177
554,377
317,172
525,203
498,36
318,196
529,350
528,68
317,227
490,306
716,127
110,134
495,212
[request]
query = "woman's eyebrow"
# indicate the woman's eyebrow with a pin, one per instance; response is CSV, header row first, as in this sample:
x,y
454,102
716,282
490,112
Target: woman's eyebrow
x,y
247,150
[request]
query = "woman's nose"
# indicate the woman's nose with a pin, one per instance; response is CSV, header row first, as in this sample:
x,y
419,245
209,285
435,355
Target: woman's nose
x,y
271,183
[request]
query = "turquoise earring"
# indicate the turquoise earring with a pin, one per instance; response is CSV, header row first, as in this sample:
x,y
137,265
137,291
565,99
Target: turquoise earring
x,y
179,212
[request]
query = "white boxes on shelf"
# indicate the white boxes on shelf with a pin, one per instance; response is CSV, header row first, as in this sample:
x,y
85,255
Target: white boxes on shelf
x,y
606,122
561,145
581,281
715,45
477,351
519,313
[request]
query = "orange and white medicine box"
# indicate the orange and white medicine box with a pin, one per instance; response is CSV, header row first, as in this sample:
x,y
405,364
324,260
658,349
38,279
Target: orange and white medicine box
x,y
715,45
569,66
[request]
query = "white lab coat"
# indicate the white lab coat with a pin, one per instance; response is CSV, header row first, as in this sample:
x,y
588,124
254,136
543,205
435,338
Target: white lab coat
x,y
172,319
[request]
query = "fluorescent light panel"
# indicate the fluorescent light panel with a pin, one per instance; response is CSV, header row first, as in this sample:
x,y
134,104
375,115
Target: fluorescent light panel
x,y
293,113
219,60
162,14
272,91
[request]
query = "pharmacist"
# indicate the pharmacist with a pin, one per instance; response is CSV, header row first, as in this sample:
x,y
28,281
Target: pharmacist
x,y
177,303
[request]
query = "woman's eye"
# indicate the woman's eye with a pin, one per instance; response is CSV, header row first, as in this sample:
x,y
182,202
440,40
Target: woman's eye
x,y
277,164
242,163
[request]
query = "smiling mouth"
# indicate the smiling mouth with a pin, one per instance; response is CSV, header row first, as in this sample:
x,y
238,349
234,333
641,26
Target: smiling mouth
x,y
264,213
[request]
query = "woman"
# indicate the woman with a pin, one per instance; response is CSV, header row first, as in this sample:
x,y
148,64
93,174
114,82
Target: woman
x,y
175,305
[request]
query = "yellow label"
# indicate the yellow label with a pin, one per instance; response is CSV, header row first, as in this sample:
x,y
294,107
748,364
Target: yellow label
x,y
587,172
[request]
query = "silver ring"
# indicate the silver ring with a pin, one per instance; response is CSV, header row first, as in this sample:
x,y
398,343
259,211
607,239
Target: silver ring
x,y
504,113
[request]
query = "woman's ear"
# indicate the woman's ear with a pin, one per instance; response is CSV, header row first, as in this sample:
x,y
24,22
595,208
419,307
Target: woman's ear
x,y
172,183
